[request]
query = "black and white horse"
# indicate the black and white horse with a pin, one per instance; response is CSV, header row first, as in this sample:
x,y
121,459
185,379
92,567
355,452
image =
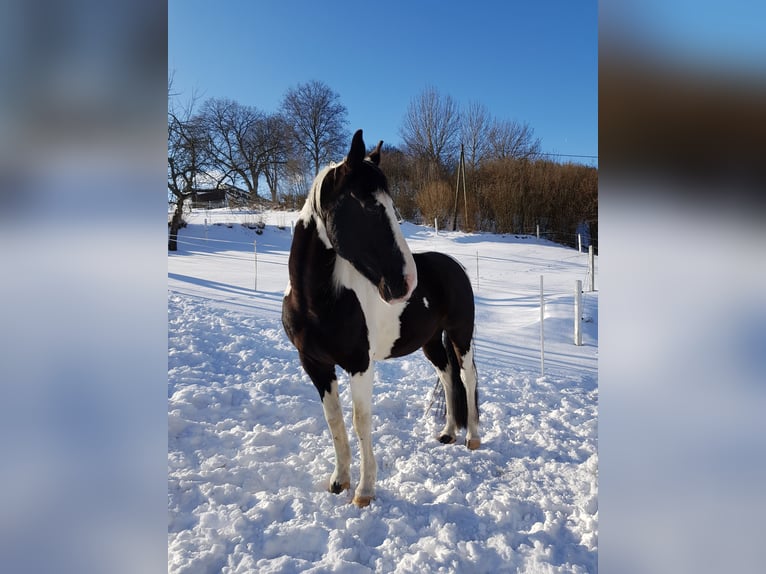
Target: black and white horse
x,y
357,294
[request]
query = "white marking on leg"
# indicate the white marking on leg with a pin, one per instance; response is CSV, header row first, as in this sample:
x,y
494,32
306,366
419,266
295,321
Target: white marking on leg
x,y
361,394
334,415
469,378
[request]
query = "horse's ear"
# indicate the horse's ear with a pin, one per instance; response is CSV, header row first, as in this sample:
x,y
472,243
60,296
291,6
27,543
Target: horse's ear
x,y
356,153
375,154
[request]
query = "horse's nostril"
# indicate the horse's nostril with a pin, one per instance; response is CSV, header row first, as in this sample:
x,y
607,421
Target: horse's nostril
x,y
384,290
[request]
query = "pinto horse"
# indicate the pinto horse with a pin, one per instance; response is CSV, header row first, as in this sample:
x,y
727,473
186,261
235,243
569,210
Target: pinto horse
x,y
357,294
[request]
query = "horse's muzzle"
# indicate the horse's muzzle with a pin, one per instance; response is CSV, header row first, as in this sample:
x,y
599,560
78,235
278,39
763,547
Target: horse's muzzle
x,y
409,282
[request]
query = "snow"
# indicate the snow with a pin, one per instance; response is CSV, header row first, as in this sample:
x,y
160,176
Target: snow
x,y
249,453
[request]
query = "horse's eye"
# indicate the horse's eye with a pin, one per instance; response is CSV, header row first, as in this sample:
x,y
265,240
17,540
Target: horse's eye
x,y
367,203
370,204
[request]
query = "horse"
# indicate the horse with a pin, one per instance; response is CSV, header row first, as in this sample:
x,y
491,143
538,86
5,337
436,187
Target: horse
x,y
357,294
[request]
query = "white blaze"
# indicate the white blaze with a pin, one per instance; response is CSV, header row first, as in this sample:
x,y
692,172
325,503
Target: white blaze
x,y
409,271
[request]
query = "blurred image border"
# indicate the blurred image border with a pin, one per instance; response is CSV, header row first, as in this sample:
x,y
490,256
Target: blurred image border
x,y
84,355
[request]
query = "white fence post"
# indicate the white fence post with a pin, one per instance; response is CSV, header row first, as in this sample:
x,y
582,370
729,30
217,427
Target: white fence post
x,y
436,226
477,270
579,243
578,313
255,253
538,230
206,229
542,330
591,268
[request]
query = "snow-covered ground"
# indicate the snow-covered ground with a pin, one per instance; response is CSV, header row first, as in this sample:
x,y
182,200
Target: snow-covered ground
x,y
249,453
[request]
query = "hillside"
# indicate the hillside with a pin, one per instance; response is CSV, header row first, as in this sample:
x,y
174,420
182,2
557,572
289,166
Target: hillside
x,y
249,453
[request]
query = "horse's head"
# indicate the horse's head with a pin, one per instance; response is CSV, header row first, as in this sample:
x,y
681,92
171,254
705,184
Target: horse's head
x,y
360,223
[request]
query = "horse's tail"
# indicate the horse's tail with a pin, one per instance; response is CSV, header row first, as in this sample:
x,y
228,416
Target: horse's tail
x,y
458,397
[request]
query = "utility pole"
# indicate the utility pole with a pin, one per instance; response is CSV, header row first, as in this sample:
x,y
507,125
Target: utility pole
x,y
460,171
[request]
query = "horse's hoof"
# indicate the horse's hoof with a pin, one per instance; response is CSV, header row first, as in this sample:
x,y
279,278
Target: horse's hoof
x,y
363,501
446,439
337,488
473,443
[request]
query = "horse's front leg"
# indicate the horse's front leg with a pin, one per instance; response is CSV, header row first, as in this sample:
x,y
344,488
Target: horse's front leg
x,y
324,379
361,393
341,477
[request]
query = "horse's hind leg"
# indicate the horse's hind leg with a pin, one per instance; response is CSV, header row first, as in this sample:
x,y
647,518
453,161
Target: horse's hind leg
x,y
436,353
460,353
469,377
325,381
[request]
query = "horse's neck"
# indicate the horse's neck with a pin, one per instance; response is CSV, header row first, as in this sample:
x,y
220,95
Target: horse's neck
x,y
311,263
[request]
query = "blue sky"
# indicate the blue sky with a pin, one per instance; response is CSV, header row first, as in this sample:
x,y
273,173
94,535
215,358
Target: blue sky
x,y
531,61
713,36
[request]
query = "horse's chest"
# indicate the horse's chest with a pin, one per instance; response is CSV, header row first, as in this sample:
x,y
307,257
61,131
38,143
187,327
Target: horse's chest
x,y
383,327
382,320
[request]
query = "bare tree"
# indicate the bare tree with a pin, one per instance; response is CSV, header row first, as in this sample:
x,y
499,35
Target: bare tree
x,y
510,139
399,172
431,128
475,124
235,143
296,183
187,159
318,121
279,151
299,179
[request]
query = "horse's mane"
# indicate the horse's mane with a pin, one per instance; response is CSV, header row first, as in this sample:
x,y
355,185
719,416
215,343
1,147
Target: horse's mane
x,y
312,208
